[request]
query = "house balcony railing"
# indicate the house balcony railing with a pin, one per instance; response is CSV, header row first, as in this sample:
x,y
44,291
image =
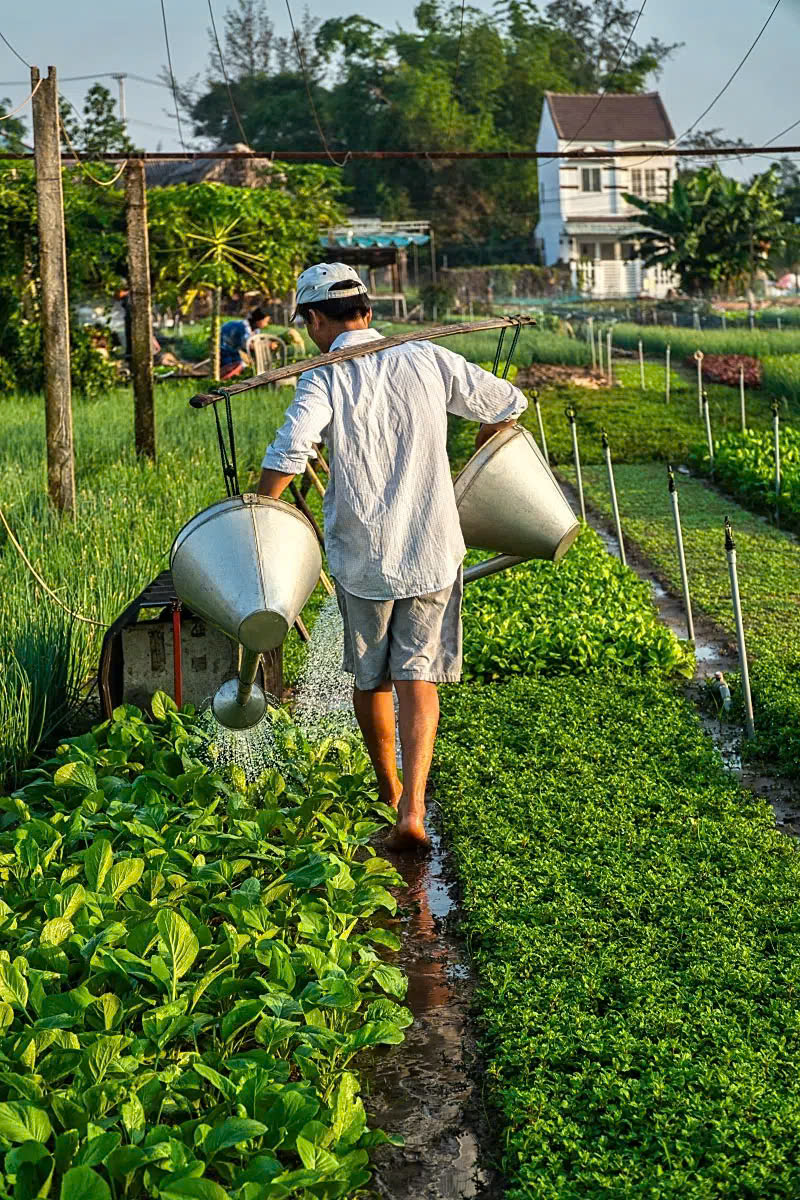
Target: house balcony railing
x,y
612,278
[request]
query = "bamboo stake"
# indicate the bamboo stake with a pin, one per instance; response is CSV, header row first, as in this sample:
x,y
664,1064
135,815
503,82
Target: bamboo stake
x,y
709,438
608,364
641,365
667,380
741,398
698,357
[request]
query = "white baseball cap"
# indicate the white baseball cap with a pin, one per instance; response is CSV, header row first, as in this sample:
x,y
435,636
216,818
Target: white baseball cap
x,y
316,282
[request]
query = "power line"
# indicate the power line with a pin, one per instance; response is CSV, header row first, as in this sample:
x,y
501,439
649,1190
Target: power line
x,y
16,53
301,60
97,75
617,66
172,76
225,73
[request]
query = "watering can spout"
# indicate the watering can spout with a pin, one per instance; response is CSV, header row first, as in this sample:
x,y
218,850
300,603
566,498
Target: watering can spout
x,y
246,565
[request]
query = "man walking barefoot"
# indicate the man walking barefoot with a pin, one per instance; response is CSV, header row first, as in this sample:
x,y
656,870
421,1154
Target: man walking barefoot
x,y
392,534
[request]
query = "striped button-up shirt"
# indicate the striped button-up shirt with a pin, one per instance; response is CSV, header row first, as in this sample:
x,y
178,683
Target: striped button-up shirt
x,y
391,525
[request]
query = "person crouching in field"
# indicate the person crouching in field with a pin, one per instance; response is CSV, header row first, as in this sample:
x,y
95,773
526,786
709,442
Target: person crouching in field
x,y
392,533
235,339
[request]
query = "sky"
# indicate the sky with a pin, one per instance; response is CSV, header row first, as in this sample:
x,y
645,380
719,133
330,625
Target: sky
x,y
82,37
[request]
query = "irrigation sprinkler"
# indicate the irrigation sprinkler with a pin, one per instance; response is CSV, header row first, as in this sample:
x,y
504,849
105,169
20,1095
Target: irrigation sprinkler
x,y
675,319
666,373
724,321
614,506
542,438
687,599
698,358
641,365
741,398
600,366
776,429
730,550
709,438
569,413
779,324
590,323
608,350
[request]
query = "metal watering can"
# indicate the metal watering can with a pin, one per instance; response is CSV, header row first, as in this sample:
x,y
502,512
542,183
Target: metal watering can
x,y
247,565
508,500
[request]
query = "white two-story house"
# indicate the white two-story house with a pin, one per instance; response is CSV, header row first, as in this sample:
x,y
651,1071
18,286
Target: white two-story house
x,y
583,218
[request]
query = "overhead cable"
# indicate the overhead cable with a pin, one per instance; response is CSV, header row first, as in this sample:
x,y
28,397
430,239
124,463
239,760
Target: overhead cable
x,y
312,105
14,111
172,76
225,74
16,53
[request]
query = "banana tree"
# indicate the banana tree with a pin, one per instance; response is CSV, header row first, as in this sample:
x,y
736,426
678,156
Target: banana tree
x,y
214,238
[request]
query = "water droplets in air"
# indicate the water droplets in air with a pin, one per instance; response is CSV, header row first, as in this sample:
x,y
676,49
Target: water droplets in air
x,y
255,750
324,706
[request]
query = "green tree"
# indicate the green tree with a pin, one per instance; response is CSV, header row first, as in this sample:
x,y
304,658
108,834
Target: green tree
x,y
12,130
459,79
714,231
100,130
211,237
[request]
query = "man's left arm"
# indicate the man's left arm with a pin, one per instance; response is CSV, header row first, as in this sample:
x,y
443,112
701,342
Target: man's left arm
x,y
307,418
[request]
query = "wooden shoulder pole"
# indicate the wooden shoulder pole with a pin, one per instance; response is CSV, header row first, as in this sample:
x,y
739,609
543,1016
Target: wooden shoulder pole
x,y
55,301
141,349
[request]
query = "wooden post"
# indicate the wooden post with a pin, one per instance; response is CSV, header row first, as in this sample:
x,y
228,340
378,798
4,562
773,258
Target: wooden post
x,y
141,348
55,301
216,325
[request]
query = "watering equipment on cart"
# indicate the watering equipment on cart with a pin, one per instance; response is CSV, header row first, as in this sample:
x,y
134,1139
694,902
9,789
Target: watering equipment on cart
x,y
247,565
508,500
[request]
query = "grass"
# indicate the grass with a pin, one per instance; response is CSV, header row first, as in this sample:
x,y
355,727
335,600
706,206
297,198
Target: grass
x,y
769,582
128,512
744,465
781,376
758,342
634,922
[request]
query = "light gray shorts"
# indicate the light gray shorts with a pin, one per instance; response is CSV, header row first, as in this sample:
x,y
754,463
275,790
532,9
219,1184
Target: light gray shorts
x,y
414,638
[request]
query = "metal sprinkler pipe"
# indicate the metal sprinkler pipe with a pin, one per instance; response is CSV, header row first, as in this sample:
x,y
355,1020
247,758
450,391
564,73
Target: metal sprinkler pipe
x,y
641,365
698,358
543,439
600,365
608,363
666,373
741,398
613,490
709,438
591,342
569,413
730,550
687,599
776,428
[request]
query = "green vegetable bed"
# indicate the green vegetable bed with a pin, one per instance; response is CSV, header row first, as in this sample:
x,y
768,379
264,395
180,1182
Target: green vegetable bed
x,y
189,969
744,465
757,342
634,919
769,581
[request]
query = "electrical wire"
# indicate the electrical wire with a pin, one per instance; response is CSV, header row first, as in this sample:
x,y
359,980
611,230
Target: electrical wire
x,y
40,581
14,111
82,164
16,53
457,70
617,66
225,74
313,106
172,76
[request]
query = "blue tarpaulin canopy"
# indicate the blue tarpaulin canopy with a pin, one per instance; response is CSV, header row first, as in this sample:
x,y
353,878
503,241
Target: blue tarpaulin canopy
x,y
399,240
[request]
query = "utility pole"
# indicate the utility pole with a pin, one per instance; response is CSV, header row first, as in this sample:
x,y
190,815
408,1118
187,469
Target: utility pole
x,y
140,349
120,77
55,301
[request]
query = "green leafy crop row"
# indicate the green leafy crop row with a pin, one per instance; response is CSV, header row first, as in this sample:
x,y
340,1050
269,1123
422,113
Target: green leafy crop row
x,y
781,375
586,613
189,968
634,921
744,465
769,582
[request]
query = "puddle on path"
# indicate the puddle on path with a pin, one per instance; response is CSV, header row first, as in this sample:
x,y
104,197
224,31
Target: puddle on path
x,y
715,652
426,1088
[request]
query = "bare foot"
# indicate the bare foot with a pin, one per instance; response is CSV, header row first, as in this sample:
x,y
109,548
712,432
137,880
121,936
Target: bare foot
x,y
408,834
392,798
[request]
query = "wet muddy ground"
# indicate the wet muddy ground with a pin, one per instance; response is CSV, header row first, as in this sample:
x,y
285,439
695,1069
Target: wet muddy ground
x,y
427,1089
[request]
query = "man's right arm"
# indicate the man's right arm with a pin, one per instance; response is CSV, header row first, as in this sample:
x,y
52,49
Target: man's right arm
x,y
305,423
477,395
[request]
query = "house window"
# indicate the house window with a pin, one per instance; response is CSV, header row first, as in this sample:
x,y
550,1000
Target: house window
x,y
608,251
590,179
650,184
636,181
587,249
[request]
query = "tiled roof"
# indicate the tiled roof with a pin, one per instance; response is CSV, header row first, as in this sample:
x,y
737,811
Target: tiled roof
x,y
619,118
